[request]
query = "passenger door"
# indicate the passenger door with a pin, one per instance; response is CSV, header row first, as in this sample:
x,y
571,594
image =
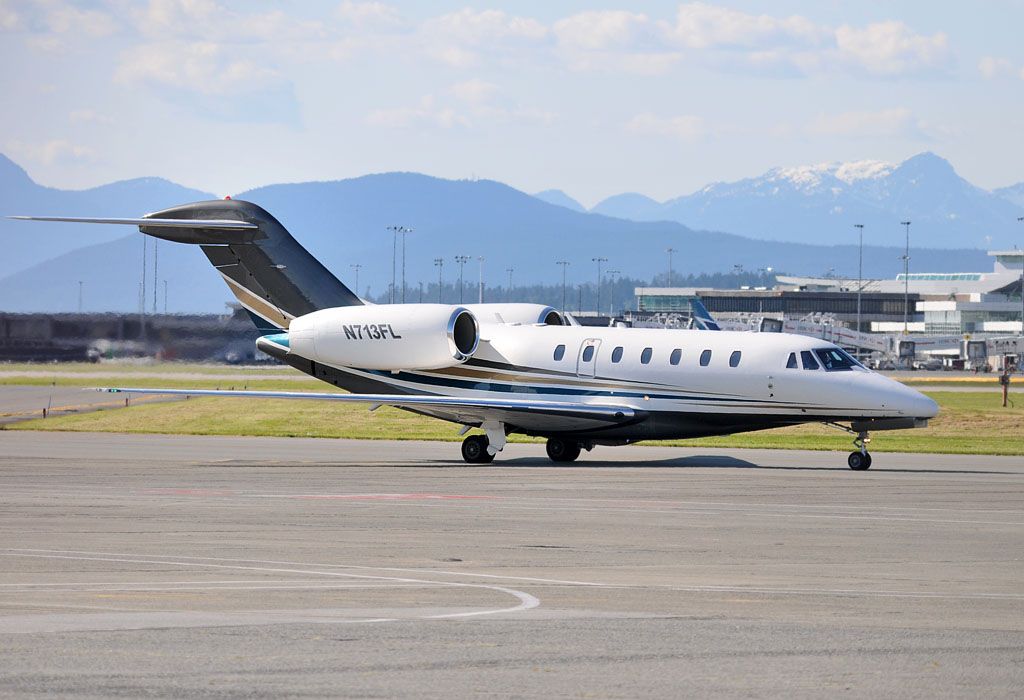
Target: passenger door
x,y
586,363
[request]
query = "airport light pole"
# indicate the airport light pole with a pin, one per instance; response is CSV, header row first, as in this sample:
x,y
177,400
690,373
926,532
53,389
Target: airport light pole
x,y
860,270
165,297
906,279
508,292
461,260
80,284
565,265
356,267
156,256
1020,219
439,264
395,230
599,261
403,232
480,261
670,251
612,274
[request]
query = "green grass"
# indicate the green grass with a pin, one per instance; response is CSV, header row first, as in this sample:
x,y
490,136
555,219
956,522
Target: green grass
x,y
968,423
115,367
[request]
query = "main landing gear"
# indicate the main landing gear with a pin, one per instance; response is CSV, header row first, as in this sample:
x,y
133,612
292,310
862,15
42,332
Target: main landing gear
x,y
560,450
474,450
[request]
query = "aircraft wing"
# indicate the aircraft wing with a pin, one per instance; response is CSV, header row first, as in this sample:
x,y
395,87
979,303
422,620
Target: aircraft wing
x,y
549,416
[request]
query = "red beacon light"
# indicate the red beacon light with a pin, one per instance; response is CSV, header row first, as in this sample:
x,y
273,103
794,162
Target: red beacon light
x,y
227,197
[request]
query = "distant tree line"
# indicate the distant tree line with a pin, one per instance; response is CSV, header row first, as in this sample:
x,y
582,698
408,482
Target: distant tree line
x,y
617,293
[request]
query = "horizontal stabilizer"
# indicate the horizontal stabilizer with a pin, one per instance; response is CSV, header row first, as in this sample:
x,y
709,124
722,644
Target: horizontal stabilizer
x,y
221,224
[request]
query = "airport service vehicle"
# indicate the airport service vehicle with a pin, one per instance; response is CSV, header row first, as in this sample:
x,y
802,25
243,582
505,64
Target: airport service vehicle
x,y
523,368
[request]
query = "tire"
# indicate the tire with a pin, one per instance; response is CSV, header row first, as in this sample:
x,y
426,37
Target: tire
x,y
560,450
474,450
859,462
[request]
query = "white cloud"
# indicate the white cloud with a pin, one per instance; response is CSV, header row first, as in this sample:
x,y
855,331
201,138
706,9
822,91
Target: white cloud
x,y
892,49
471,27
203,67
684,128
10,19
473,91
601,30
370,15
700,26
461,38
54,152
65,18
992,67
88,116
614,41
897,122
426,113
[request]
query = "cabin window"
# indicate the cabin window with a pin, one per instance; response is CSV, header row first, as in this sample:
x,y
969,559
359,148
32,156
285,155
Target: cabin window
x,y
734,358
588,353
791,362
645,356
617,354
808,360
559,353
705,358
835,360
676,355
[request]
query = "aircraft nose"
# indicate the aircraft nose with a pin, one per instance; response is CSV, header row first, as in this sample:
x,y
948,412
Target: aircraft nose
x,y
913,403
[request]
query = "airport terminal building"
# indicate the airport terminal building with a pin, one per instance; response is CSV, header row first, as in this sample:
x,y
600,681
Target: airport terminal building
x,y
935,303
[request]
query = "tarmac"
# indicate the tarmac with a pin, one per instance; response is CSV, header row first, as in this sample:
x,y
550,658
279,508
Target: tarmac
x,y
137,565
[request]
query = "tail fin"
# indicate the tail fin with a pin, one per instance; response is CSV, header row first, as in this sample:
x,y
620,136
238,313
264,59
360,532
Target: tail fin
x,y
701,317
272,276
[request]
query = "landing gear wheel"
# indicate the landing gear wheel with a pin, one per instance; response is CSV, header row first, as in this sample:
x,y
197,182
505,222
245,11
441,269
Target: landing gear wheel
x,y
859,461
474,450
560,450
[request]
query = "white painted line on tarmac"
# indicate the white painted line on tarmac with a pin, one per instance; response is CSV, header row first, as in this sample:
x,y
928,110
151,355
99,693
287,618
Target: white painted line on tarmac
x,y
526,601
162,559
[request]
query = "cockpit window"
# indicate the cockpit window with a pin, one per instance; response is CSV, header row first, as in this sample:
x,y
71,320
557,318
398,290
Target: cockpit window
x,y
808,360
836,360
791,362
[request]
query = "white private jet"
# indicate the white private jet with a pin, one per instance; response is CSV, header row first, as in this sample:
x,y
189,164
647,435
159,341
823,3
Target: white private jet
x,y
523,368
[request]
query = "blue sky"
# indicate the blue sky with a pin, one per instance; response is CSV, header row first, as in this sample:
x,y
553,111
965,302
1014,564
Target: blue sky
x,y
595,98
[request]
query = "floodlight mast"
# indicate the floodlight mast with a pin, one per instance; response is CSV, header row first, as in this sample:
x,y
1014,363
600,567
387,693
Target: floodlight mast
x,y
906,279
564,264
860,270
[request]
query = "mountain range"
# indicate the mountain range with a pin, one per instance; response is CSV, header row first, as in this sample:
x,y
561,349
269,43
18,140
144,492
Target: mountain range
x,y
821,203
344,223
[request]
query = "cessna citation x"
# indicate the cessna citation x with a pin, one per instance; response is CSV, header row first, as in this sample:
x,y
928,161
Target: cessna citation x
x,y
523,368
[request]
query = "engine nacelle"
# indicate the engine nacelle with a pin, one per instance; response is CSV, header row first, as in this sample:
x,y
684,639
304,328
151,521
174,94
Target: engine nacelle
x,y
527,314
387,337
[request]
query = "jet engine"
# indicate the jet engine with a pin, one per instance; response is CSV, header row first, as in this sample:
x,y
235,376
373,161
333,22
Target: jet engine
x,y
526,314
386,337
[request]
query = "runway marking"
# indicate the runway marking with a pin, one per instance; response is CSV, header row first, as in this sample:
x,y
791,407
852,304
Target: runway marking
x,y
375,496
708,588
526,601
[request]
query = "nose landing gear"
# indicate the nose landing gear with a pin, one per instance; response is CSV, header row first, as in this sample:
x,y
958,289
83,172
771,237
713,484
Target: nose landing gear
x,y
860,460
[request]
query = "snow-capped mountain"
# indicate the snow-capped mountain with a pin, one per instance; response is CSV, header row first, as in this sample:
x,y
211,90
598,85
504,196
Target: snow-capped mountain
x,y
821,203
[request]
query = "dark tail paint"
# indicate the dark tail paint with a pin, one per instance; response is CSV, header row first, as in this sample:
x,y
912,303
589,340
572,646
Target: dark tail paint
x,y
273,277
